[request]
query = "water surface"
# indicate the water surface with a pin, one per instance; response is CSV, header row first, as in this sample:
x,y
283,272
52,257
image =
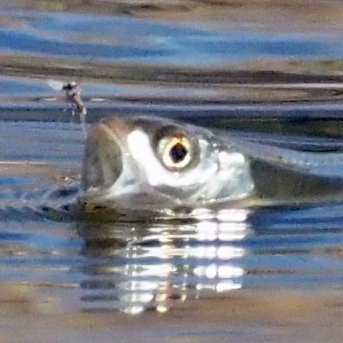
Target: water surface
x,y
248,274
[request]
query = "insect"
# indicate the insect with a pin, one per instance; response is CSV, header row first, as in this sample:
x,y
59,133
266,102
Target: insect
x,y
72,91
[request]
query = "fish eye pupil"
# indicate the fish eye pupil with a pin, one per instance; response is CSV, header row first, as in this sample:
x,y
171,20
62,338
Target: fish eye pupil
x,y
178,152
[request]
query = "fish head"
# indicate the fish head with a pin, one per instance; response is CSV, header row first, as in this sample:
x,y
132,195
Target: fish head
x,y
157,164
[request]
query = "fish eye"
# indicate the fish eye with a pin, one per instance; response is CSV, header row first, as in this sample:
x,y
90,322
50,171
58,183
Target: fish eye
x,y
175,151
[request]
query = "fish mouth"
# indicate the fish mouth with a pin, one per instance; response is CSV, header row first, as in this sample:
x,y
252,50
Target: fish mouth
x,y
103,155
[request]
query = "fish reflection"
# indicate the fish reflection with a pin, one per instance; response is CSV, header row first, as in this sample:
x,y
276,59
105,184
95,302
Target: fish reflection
x,y
133,268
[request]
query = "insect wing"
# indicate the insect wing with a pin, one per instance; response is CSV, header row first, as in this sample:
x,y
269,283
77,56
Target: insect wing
x,y
55,84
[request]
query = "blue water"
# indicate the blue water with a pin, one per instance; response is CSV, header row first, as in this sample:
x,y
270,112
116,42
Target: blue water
x,y
248,75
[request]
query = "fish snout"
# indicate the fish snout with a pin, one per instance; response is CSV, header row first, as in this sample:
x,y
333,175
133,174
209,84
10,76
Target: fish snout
x,y
103,154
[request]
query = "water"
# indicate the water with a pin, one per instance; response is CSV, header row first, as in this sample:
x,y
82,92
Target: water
x,y
247,275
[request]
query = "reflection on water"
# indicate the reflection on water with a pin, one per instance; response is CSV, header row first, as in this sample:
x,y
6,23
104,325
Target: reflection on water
x,y
143,267
233,65
126,59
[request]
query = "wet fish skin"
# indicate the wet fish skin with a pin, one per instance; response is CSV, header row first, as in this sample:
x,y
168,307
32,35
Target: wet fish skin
x,y
123,170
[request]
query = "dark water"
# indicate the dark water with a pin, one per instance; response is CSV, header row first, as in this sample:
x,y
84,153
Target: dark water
x,y
235,66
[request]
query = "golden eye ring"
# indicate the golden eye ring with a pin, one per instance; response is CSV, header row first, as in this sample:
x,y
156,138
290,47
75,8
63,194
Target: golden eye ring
x,y
175,151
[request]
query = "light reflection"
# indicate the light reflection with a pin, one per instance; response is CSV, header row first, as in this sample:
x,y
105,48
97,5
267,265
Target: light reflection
x,y
203,214
232,215
148,267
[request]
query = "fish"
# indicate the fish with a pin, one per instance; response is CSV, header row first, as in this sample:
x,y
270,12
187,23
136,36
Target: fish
x,y
160,166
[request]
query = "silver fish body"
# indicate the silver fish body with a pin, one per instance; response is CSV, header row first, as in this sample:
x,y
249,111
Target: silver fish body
x,y
156,165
